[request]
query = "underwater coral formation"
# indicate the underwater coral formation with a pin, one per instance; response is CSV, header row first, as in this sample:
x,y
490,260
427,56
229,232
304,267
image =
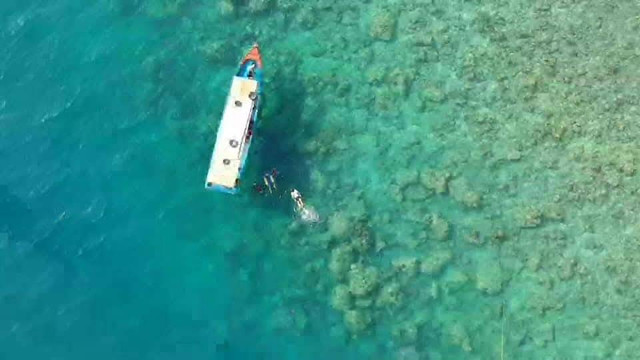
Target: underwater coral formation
x,y
477,161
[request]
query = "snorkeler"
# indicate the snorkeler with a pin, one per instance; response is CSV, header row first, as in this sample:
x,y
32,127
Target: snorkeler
x,y
306,213
269,183
297,198
272,177
269,179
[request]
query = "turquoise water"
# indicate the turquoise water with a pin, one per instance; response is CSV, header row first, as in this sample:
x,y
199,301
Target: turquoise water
x,y
474,166
112,248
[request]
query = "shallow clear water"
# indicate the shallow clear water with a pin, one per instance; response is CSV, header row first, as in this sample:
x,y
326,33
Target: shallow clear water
x,y
463,158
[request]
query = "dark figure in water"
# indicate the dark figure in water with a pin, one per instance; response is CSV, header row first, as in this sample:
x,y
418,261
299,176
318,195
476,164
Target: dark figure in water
x,y
258,188
269,180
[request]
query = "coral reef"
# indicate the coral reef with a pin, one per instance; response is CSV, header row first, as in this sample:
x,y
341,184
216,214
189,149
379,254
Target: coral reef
x,y
437,181
406,265
461,191
339,225
467,153
405,333
362,239
460,337
439,228
389,295
357,321
257,6
454,279
341,298
383,25
163,8
530,218
407,353
363,279
490,277
341,259
214,51
226,7
435,262
415,193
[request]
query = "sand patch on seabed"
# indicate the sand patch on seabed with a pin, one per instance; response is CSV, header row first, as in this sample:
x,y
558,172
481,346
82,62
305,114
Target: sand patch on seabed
x,y
475,164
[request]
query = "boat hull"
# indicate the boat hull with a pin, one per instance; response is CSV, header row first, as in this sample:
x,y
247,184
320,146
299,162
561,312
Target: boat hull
x,y
236,129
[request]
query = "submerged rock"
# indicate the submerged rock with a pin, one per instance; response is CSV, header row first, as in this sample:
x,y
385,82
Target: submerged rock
x,y
258,6
431,95
405,333
287,4
226,7
415,193
490,278
341,298
543,335
383,25
436,261
363,302
390,295
341,259
530,218
166,8
363,280
566,268
357,321
590,330
460,337
407,353
406,265
362,240
454,279
289,319
339,225
406,177
437,181
439,228
473,237
462,193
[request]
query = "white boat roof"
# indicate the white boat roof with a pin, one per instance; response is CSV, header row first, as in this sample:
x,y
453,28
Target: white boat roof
x,y
226,160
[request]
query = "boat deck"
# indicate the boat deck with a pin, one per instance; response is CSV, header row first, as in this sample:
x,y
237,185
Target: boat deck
x,y
228,153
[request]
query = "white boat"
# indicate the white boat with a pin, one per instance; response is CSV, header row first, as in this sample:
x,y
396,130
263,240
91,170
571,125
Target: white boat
x,y
236,127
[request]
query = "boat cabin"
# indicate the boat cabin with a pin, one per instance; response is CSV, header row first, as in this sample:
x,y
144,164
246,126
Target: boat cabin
x,y
234,135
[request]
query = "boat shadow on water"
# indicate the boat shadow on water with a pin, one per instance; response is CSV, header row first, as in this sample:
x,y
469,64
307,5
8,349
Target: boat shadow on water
x,y
280,133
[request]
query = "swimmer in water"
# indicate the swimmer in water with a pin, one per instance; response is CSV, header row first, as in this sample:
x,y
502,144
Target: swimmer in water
x,y
267,184
307,213
269,180
272,177
297,198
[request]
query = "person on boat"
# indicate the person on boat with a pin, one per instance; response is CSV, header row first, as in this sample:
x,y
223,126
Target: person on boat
x,y
251,71
297,198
